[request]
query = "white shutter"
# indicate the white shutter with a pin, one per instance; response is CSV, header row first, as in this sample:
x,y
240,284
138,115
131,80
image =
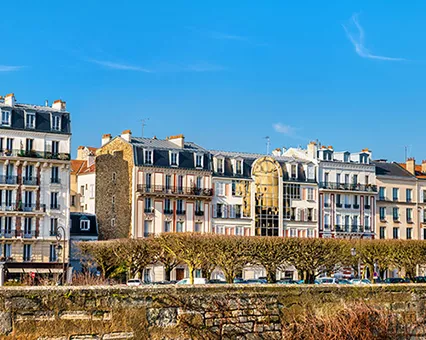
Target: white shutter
x,y
422,215
421,197
297,214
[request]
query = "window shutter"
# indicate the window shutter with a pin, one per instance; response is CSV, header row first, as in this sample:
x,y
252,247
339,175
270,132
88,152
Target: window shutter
x,y
304,194
298,214
422,215
421,197
314,213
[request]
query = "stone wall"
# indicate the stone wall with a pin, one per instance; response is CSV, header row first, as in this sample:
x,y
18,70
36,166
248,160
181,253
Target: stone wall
x,y
114,157
185,312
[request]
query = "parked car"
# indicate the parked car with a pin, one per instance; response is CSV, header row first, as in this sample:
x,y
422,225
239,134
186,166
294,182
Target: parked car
x,y
239,280
134,282
164,282
327,280
393,280
217,281
420,279
361,282
287,282
344,282
256,281
197,281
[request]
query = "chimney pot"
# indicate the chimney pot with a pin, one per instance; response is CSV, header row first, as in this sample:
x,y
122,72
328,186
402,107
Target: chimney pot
x,y
178,140
59,105
9,99
411,165
106,138
424,166
126,135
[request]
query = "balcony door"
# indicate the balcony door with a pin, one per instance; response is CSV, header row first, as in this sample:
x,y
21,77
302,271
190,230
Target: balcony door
x,y
29,172
180,183
28,200
8,198
168,182
28,226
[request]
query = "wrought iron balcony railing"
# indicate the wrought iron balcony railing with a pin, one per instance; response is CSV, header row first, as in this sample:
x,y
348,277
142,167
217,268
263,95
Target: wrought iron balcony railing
x,y
350,187
8,179
175,190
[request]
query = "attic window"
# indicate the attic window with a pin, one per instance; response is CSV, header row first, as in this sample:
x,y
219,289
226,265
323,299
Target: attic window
x,y
174,158
238,166
84,224
198,161
5,118
219,165
148,157
30,120
56,123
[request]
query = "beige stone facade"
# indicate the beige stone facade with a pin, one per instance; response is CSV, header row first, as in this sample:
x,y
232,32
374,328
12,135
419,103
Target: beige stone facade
x,y
114,182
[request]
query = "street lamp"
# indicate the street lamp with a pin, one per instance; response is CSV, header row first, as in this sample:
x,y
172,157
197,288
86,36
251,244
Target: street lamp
x,y
353,253
61,236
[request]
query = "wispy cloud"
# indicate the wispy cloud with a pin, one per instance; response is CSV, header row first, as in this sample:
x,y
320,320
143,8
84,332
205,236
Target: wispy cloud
x,y
358,40
227,36
284,129
119,66
8,68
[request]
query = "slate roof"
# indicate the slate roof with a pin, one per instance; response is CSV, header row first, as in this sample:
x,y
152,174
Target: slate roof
x,y
43,114
391,169
76,217
417,170
161,150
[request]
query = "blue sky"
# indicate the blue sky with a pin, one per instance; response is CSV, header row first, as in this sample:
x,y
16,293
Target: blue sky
x,y
226,74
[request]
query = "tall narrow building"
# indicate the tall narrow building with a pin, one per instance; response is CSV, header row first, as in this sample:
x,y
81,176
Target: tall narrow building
x,y
34,187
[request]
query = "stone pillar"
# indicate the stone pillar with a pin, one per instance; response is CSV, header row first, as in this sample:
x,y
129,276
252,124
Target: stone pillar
x,y
1,274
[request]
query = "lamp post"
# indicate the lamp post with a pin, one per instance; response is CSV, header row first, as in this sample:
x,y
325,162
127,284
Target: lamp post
x,y
353,253
61,236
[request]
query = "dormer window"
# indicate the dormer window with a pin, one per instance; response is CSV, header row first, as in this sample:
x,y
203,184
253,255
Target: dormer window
x,y
30,120
174,158
238,166
198,161
84,225
219,165
56,123
5,118
148,157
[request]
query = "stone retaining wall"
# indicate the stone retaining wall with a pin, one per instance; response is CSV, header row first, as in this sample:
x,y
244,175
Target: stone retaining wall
x,y
185,312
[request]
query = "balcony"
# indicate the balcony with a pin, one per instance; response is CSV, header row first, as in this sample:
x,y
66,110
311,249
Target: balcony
x,y
149,210
356,206
168,211
347,206
339,205
367,206
218,214
24,207
338,228
53,233
326,226
396,219
382,198
180,212
55,207
174,190
29,181
199,213
300,179
27,234
348,187
9,180
326,205
35,154
55,180
7,233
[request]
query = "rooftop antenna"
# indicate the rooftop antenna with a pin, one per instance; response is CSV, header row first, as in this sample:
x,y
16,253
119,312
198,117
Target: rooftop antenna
x,y
143,121
268,144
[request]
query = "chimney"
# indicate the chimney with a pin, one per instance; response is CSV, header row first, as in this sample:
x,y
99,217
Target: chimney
x,y
59,105
424,166
126,135
276,152
90,160
312,150
106,138
411,165
46,103
80,153
9,99
178,140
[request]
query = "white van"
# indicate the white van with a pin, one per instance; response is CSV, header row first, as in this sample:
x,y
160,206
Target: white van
x,y
197,281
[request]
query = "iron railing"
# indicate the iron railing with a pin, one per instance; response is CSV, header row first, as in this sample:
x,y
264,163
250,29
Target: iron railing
x,y
175,190
35,154
346,186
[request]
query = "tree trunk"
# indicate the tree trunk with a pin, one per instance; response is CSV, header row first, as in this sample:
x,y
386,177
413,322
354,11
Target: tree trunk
x,y
168,273
191,274
271,275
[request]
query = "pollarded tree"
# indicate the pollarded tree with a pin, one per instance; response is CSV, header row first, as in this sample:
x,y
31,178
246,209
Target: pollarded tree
x,y
188,248
102,254
161,255
230,253
136,254
272,253
409,254
371,252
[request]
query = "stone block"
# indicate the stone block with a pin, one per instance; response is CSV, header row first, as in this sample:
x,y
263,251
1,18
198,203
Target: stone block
x,y
53,338
162,317
36,316
118,336
75,315
85,337
5,323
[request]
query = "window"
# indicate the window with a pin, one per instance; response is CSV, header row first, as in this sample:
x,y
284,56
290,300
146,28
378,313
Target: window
x,y
30,120
199,182
326,176
52,253
5,117
346,157
347,179
56,123
55,148
395,194
174,158
220,189
424,234
29,144
199,161
409,214
167,227
73,200
55,174
409,232
148,157
8,197
28,226
82,190
167,206
238,167
9,144
92,190
148,177
367,223
239,231
382,233
198,206
53,226
395,233
179,227
356,204
7,250
311,172
355,179
180,183
197,227
218,211
382,193
238,210
294,172
148,204
219,163
338,178
395,213
147,228
168,182
367,179
179,206
114,177
310,194
424,215
355,221
293,232
408,193
326,200
27,252
113,222
84,225
326,221
338,220
382,211
54,201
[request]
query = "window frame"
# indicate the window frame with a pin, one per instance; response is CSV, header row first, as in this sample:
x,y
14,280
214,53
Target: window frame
x,y
85,221
4,122
27,115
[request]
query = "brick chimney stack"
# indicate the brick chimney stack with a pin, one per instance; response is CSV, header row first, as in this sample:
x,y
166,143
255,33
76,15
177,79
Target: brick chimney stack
x,y
424,166
411,165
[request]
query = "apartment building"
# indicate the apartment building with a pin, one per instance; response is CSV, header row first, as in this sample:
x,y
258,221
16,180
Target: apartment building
x,y
396,216
83,180
34,187
151,186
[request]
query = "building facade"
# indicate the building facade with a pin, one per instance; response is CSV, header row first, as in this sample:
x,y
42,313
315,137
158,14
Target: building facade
x,y
396,216
83,180
34,186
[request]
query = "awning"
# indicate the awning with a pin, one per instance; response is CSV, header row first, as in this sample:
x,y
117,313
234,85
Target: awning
x,y
35,270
